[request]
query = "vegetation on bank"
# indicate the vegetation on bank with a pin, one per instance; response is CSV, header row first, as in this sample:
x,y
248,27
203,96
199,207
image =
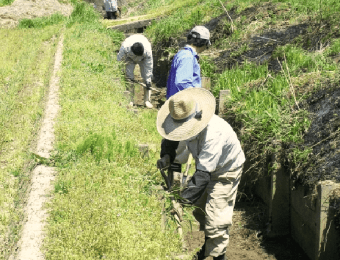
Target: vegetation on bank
x,y
263,102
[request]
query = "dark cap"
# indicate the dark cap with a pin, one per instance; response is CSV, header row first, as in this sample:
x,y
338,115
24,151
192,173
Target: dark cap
x,y
137,49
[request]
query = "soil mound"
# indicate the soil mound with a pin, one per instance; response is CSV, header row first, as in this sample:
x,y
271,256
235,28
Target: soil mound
x,y
21,9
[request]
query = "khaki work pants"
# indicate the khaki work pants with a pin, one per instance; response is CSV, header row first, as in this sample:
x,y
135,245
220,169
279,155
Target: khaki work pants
x,y
215,210
129,70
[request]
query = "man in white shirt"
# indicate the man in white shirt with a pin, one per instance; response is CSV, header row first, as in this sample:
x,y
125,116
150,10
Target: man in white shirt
x,y
189,115
111,9
136,49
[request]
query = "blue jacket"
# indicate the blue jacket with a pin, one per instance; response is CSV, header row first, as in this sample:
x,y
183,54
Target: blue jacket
x,y
185,72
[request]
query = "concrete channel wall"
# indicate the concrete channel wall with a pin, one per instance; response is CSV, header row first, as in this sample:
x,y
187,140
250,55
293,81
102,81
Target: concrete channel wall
x,y
301,213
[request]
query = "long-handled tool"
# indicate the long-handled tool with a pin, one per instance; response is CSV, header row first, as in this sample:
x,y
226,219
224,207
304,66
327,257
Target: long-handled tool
x,y
177,210
185,174
143,85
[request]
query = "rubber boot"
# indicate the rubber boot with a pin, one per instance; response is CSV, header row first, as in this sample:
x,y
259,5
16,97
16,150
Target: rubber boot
x,y
200,255
147,98
132,93
220,257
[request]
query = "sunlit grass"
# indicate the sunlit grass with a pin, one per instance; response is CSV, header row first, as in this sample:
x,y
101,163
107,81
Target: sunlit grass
x,y
6,2
266,104
102,205
25,67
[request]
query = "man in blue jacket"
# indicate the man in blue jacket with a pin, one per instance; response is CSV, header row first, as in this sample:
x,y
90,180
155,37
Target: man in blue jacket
x,y
185,72
185,69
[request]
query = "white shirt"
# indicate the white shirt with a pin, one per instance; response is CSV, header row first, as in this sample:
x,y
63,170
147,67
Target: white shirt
x,y
110,5
217,149
126,54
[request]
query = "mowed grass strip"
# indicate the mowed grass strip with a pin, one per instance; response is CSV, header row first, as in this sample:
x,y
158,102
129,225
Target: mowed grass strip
x,y
102,206
26,61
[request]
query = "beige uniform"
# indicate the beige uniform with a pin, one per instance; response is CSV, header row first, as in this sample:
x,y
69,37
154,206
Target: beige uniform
x,y
145,61
218,151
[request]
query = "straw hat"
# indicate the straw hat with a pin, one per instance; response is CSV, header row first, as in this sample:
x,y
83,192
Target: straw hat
x,y
185,114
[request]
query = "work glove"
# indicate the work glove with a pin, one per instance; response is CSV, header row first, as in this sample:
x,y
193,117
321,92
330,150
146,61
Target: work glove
x,y
148,85
196,187
164,162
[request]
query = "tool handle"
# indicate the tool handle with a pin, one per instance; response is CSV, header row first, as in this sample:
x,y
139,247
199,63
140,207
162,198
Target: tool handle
x,y
167,181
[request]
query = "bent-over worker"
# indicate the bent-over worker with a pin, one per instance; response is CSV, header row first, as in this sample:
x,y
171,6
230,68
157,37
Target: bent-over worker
x,y
189,115
111,8
136,49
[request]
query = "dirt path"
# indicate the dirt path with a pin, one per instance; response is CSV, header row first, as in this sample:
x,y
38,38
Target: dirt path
x,y
20,9
33,229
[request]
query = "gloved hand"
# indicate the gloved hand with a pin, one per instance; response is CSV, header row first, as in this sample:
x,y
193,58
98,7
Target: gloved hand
x,y
195,187
164,162
148,85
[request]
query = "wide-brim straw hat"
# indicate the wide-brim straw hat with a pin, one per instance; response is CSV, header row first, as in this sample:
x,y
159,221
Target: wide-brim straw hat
x,y
185,114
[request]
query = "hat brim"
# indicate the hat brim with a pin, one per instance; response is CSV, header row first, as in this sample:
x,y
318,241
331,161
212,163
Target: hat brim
x,y
179,131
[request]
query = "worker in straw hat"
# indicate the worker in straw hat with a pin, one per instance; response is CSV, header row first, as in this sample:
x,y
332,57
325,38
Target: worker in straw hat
x,y
189,115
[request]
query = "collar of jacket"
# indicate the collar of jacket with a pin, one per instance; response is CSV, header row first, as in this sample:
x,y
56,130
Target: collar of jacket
x,y
194,53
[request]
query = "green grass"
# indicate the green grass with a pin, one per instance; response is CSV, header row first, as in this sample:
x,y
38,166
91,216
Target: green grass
x,y
6,2
41,22
266,104
184,16
25,68
102,204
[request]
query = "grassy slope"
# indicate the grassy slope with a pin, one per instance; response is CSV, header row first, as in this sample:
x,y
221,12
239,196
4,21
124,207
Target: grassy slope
x,y
102,204
25,68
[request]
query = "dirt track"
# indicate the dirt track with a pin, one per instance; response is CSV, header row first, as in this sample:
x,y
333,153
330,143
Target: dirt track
x,y
20,9
41,184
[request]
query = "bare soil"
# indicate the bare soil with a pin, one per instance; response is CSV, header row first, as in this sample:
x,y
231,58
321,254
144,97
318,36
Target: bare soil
x,y
247,239
20,9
